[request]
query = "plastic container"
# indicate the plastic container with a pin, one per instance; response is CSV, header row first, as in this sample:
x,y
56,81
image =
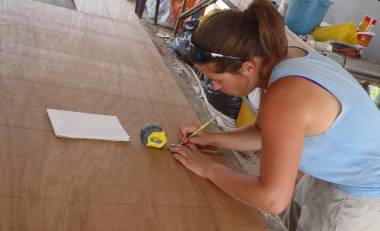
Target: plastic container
x,y
245,115
303,16
364,38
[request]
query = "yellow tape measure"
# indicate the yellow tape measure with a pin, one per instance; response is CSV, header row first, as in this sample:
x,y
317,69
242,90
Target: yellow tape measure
x,y
152,135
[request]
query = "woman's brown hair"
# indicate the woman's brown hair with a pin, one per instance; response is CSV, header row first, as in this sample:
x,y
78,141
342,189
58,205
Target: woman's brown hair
x,y
258,31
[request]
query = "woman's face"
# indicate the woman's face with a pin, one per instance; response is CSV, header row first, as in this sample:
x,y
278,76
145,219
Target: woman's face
x,y
240,83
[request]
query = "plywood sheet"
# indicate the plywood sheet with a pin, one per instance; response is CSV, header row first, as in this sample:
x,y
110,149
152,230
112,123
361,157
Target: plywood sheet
x,y
99,60
23,13
115,9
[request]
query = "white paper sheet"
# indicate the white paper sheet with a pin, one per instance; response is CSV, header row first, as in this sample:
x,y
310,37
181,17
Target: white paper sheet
x,y
86,126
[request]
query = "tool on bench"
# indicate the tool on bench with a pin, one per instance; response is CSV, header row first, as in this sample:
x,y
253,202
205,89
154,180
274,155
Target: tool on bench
x,y
152,135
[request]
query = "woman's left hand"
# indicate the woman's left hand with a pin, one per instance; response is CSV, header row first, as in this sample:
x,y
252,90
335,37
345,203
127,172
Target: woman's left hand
x,y
190,157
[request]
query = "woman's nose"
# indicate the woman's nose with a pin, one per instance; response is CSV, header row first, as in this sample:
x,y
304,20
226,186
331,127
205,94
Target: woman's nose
x,y
215,85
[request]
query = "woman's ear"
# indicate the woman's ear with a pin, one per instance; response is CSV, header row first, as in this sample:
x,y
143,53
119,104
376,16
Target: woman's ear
x,y
249,68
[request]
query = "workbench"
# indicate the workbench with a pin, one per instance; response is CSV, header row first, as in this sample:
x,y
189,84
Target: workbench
x,y
97,59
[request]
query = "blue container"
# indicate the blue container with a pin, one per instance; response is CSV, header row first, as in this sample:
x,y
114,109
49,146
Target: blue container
x,y
303,16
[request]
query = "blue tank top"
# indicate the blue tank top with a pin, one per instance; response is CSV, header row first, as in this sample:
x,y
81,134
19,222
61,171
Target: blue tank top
x,y
348,153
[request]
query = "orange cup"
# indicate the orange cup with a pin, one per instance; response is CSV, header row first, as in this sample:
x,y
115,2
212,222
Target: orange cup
x,y
364,38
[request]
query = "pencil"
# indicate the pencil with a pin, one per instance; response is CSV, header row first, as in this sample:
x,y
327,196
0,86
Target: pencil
x,y
203,126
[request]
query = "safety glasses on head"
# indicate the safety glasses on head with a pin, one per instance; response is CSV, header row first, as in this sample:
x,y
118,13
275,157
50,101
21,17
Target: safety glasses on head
x,y
199,55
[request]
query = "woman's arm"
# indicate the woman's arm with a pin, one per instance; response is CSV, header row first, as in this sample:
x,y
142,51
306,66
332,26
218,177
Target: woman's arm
x,y
246,138
282,132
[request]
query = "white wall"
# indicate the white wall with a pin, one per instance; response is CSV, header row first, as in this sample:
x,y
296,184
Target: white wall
x,y
353,10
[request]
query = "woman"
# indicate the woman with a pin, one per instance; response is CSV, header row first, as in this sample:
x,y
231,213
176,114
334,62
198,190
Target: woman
x,y
313,116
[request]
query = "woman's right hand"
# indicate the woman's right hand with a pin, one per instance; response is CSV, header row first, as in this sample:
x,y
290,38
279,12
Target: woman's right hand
x,y
202,138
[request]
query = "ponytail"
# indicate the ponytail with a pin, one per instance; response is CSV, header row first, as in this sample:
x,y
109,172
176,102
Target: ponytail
x,y
258,31
270,27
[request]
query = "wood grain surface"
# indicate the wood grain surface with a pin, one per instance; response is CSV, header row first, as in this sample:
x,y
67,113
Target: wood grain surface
x,y
98,59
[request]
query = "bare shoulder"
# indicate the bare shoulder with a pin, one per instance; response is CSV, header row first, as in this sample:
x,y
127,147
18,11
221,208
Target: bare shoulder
x,y
300,100
287,88
289,95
